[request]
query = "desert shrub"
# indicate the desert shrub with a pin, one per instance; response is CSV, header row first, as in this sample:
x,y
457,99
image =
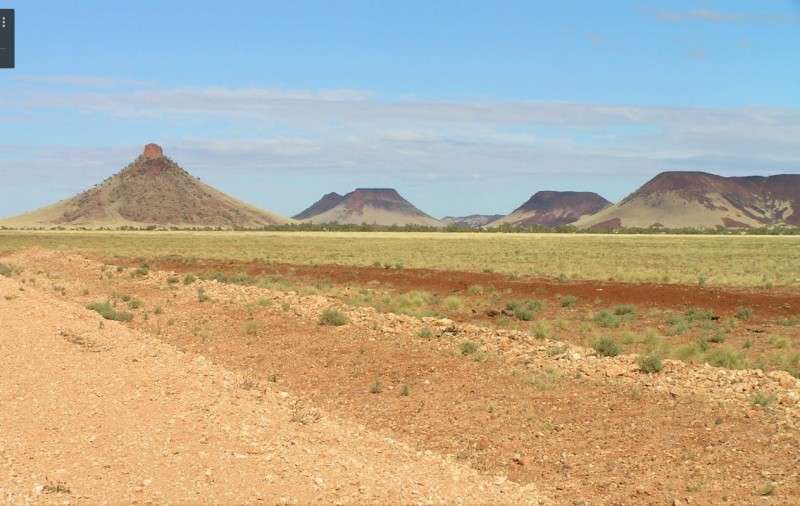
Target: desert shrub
x,y
606,347
743,313
788,322
414,303
5,270
425,333
685,352
726,357
405,391
469,347
171,280
189,279
624,309
264,302
695,314
717,337
333,317
607,319
107,311
568,301
201,295
475,290
142,270
376,388
453,303
650,363
540,331
763,399
134,304
525,310
677,325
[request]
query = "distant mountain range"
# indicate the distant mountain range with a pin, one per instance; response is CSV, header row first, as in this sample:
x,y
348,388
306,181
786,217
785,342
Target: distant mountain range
x,y
471,221
154,190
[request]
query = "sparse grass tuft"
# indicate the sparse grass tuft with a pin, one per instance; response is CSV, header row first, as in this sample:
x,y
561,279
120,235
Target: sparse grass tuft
x,y
624,309
695,314
333,317
475,290
650,363
607,319
189,279
606,347
725,357
376,388
425,333
107,311
743,313
540,331
5,270
201,295
568,301
405,391
142,270
525,310
453,303
250,328
762,399
469,347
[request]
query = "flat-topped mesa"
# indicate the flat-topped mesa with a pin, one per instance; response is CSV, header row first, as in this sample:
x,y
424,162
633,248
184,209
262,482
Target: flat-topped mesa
x,y
153,152
374,206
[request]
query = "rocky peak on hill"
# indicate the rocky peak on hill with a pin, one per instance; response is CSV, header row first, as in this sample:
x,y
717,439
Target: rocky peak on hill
x,y
152,151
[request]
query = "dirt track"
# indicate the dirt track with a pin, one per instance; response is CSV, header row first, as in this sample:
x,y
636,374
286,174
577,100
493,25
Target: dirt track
x,y
575,427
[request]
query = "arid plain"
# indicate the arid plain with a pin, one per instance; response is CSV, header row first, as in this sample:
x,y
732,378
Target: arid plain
x,y
479,368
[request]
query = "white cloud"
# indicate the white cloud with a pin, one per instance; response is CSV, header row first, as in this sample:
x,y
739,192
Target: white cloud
x,y
718,16
83,81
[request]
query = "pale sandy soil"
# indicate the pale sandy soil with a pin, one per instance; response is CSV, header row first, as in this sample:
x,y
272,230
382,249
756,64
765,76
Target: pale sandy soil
x,y
97,414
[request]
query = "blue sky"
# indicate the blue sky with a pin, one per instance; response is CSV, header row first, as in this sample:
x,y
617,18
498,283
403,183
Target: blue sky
x,y
462,106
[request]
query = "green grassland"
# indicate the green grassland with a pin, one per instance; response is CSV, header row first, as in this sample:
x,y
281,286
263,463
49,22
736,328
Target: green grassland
x,y
705,259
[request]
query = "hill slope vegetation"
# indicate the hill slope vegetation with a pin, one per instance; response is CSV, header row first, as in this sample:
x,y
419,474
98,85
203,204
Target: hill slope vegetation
x,y
703,200
153,190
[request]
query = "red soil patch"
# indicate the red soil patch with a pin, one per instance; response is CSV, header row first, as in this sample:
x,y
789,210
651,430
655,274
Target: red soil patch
x,y
723,301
